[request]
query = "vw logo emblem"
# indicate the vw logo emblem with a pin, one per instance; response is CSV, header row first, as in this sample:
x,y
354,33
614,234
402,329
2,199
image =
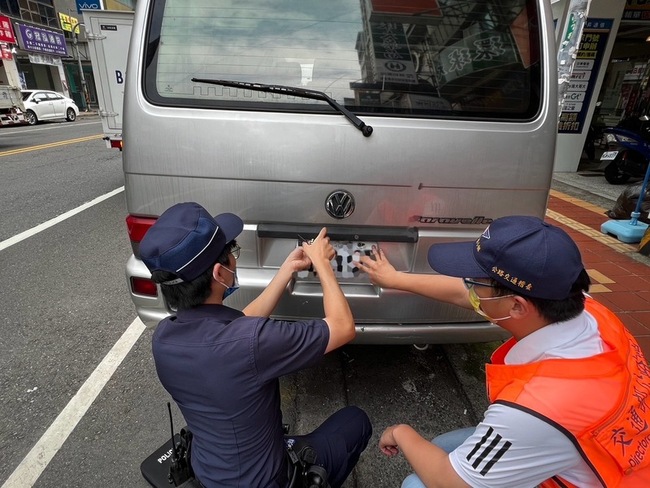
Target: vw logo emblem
x,y
339,204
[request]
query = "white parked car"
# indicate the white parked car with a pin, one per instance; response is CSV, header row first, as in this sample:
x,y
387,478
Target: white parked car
x,y
48,105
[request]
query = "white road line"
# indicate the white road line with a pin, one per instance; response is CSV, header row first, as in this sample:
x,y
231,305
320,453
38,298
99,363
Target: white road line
x,y
31,467
45,225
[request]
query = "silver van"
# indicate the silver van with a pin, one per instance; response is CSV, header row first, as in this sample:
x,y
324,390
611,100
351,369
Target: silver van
x,y
397,123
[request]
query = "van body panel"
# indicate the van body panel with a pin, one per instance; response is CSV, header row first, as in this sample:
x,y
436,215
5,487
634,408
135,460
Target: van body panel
x,y
422,177
349,158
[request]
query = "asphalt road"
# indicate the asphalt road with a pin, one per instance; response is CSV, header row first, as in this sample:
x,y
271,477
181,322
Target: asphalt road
x,y
79,399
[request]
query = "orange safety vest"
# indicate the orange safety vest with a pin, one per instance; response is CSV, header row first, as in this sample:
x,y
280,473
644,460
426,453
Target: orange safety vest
x,y
601,403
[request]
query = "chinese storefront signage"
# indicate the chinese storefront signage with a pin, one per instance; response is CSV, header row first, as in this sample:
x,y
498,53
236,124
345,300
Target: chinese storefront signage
x,y
583,78
45,59
69,23
6,31
637,10
487,50
42,40
392,53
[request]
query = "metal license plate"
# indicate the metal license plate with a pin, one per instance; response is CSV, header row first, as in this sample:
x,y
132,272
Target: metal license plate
x,y
345,262
608,155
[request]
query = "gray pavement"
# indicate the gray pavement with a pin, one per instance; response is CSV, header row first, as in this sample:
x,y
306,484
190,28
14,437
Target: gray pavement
x,y
589,185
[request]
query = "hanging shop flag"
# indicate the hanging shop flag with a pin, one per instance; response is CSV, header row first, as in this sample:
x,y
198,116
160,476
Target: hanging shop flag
x,y
6,31
584,75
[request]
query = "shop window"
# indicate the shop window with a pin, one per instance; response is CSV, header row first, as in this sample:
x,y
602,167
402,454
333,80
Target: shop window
x,y
10,7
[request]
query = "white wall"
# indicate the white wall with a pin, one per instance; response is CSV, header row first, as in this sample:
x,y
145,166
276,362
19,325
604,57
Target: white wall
x,y
569,146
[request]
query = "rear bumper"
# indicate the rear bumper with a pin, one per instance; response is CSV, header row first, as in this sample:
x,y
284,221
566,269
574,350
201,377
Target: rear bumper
x,y
429,333
152,310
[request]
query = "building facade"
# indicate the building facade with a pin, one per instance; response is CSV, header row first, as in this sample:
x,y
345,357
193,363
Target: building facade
x,y
44,45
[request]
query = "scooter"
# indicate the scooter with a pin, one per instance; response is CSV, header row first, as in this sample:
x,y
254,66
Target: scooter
x,y
631,157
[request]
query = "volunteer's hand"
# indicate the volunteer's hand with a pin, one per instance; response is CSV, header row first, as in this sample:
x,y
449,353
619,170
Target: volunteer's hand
x,y
379,269
387,443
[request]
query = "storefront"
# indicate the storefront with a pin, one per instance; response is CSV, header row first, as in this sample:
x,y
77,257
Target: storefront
x,y
625,92
609,81
39,57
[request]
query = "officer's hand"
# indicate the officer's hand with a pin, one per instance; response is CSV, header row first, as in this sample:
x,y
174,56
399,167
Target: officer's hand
x,y
297,260
319,250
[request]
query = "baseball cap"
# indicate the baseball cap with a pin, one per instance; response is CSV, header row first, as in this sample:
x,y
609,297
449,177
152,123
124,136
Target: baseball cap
x,y
522,253
186,240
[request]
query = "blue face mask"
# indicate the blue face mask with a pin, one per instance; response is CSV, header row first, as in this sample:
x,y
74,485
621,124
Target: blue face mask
x,y
235,284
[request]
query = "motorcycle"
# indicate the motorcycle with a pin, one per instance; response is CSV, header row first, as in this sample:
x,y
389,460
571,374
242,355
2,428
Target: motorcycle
x,y
631,156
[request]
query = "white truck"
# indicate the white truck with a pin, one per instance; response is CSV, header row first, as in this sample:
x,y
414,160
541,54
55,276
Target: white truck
x,y
109,35
12,110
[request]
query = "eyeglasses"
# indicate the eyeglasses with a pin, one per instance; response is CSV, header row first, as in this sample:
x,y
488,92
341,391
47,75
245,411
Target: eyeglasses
x,y
469,283
476,300
235,251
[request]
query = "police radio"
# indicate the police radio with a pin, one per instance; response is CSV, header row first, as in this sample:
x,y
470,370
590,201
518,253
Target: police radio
x,y
180,468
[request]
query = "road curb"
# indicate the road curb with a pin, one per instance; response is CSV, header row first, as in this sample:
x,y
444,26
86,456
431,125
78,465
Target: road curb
x,y
87,114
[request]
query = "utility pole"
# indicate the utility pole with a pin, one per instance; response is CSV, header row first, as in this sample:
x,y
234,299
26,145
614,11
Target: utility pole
x,y
68,25
84,86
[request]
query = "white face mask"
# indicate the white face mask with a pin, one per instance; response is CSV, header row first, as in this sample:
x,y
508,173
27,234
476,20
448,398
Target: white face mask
x,y
235,283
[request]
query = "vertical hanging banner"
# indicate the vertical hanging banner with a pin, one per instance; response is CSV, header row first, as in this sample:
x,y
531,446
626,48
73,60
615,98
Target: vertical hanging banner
x,y
5,52
585,72
393,61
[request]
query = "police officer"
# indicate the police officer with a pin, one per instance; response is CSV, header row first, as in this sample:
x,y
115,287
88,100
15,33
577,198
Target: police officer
x,y
222,366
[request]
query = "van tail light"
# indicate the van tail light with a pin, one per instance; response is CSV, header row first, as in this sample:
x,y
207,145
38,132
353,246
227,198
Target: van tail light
x,y
143,286
116,144
137,228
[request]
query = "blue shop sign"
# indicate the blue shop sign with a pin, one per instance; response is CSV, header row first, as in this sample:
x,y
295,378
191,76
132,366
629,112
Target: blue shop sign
x,y
42,40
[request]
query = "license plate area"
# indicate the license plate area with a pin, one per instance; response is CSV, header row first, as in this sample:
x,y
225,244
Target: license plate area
x,y
609,155
344,263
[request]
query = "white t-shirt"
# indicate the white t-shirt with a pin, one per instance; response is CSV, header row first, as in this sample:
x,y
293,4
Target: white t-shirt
x,y
512,448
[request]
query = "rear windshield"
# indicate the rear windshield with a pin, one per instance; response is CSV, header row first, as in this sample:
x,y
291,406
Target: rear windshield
x,y
423,58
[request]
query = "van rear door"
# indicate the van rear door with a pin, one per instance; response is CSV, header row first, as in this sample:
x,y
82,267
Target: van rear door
x,y
461,96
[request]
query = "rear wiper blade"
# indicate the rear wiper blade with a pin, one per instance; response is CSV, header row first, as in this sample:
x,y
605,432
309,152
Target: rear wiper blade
x,y
366,130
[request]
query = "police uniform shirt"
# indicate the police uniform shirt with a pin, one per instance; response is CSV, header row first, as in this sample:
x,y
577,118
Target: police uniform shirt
x,y
511,448
222,369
